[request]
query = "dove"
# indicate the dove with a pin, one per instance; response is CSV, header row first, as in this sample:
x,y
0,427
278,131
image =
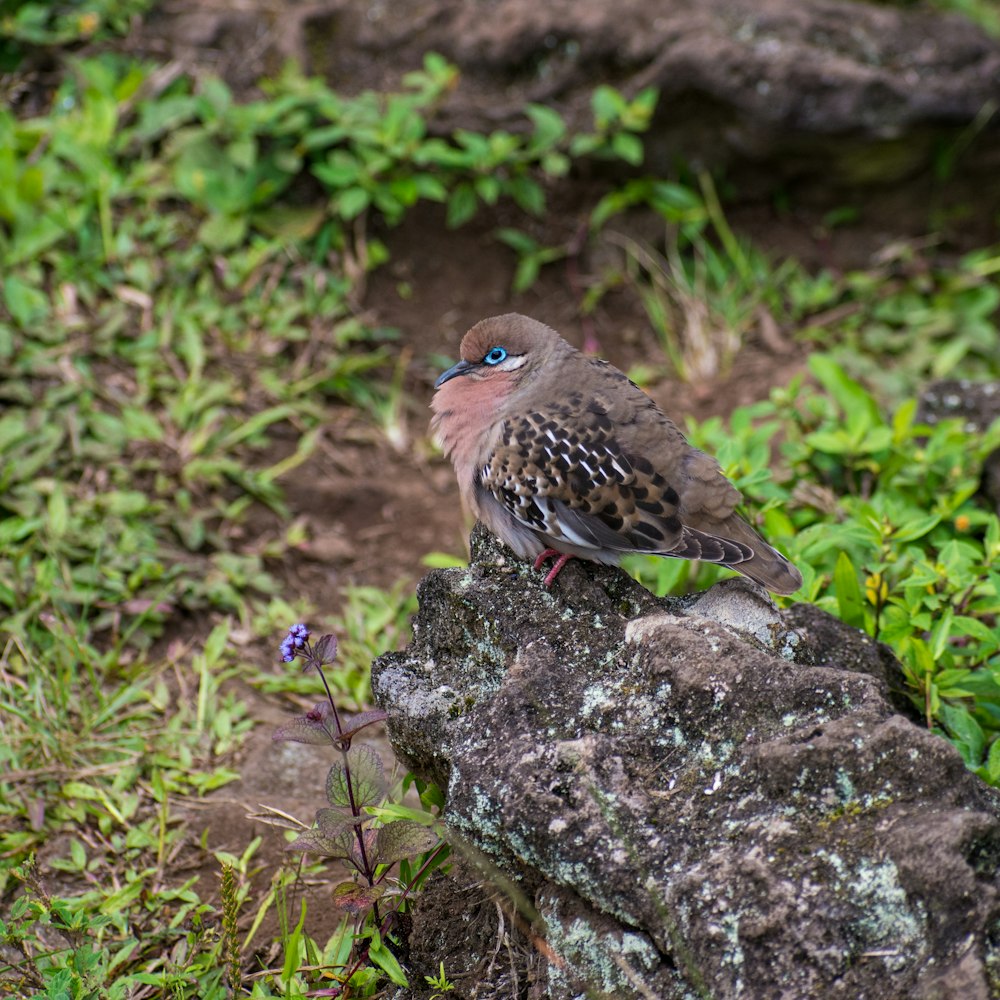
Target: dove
x,y
561,455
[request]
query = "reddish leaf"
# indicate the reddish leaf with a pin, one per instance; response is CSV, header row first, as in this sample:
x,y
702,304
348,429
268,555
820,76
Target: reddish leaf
x,y
316,842
359,862
358,722
332,822
316,726
325,649
356,898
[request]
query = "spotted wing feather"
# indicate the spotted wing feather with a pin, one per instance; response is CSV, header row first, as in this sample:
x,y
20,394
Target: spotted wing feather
x,y
561,473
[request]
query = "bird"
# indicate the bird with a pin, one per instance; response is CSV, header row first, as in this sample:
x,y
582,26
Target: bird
x,y
562,455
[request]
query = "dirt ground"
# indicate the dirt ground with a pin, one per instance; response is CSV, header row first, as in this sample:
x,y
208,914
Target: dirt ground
x,y
375,510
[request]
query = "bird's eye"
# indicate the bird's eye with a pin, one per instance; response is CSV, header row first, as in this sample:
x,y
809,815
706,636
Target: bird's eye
x,y
495,355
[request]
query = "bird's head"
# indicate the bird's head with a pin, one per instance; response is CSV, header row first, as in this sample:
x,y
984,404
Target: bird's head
x,y
503,351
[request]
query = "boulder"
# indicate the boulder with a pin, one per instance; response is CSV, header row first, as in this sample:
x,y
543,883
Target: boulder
x,y
833,96
684,798
977,404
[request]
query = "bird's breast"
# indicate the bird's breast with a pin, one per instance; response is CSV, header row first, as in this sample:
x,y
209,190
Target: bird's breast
x,y
468,416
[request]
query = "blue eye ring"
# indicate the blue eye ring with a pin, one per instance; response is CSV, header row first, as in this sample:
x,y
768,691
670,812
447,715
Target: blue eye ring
x,y
494,356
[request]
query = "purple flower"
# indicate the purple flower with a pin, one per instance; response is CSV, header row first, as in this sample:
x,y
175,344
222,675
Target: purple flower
x,y
298,636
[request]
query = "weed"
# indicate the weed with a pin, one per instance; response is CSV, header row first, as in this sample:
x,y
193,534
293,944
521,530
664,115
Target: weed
x,y
27,25
347,830
439,982
906,321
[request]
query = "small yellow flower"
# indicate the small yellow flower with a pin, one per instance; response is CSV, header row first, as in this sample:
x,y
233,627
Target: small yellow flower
x,y
962,522
876,589
87,23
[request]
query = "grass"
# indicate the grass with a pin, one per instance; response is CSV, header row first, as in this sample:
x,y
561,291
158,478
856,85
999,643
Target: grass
x,y
181,292
181,279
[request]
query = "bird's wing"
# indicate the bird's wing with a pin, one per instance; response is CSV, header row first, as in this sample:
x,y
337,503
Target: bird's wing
x,y
561,471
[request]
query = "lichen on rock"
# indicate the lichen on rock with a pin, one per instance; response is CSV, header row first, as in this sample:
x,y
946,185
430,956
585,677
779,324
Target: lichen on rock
x,y
692,797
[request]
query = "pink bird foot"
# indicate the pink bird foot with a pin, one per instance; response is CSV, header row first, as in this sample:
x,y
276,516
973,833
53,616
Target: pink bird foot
x,y
554,572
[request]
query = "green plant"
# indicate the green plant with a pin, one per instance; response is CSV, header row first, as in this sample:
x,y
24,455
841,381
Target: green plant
x,y
706,291
880,515
26,25
439,982
908,321
109,944
352,829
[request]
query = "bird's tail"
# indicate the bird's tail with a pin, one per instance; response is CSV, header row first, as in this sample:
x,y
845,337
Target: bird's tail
x,y
767,566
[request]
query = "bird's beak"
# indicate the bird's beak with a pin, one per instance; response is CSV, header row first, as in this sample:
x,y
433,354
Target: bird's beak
x,y
460,369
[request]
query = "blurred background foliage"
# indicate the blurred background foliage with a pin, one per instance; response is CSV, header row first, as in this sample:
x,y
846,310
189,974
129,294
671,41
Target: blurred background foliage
x,y
182,313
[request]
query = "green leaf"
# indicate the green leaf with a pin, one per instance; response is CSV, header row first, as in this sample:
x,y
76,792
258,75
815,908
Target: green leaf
x,y
992,538
429,187
215,644
549,125
528,194
141,425
607,105
993,763
947,355
902,420
952,683
13,529
645,101
222,232
488,188
965,625
27,305
517,240
461,205
556,164
58,513
941,633
526,273
366,779
916,528
875,440
351,202
850,600
628,147
78,854
290,222
386,961
256,424
852,398
433,560
966,733
831,442
403,838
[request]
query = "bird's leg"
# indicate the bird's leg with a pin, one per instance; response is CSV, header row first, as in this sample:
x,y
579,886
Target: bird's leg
x,y
554,572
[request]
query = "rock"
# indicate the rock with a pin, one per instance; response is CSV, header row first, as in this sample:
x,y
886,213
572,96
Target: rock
x,y
834,95
682,812
824,641
976,403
